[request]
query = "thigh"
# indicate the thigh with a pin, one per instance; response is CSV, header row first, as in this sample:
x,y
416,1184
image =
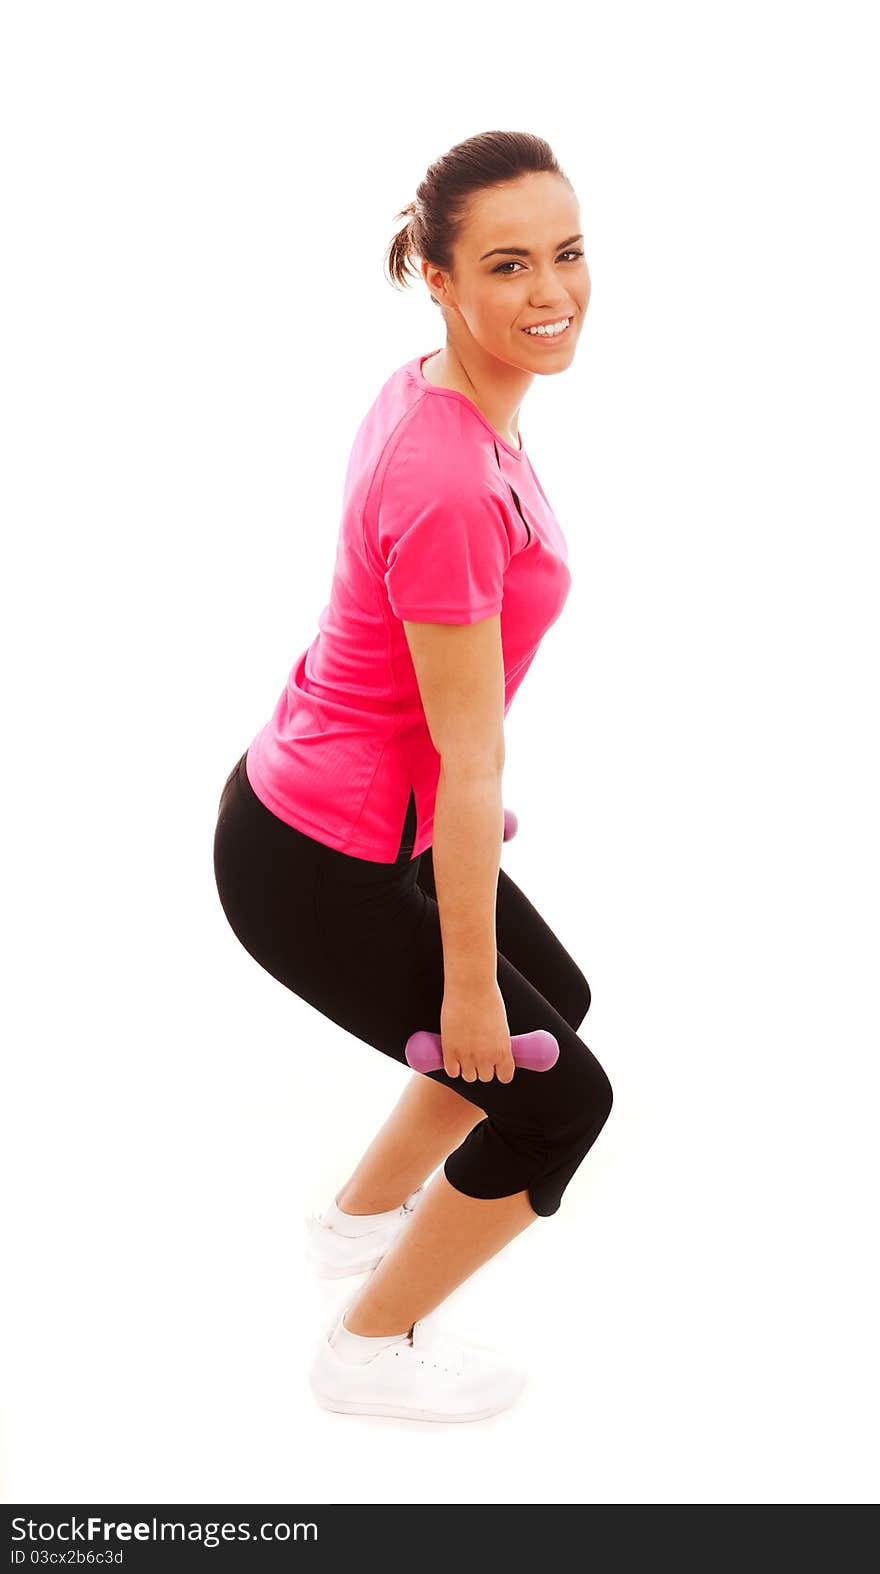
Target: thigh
x,y
361,942
383,951
527,941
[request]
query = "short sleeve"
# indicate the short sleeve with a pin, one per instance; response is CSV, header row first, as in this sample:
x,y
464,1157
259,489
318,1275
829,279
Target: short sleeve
x,y
444,537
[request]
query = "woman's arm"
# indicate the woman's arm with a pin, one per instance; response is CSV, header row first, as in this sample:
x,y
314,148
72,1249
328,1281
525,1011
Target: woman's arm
x,y
460,673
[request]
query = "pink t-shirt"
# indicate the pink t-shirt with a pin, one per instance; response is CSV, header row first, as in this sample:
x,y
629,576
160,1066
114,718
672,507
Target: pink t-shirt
x,y
442,522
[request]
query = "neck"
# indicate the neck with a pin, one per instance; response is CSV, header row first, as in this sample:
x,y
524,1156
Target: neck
x,y
495,388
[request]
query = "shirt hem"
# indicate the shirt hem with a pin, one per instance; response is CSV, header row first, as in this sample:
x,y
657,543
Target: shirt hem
x,y
356,847
487,609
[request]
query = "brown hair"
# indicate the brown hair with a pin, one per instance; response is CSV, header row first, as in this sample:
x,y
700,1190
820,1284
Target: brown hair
x,y
436,218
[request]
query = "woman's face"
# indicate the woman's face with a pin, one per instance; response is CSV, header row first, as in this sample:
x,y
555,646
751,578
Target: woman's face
x,y
519,261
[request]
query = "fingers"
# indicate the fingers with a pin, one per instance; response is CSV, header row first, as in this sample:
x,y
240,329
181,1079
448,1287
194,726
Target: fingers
x,y
471,1071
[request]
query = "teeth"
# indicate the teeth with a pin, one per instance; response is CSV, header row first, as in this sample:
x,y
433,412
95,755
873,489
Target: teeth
x,y
551,330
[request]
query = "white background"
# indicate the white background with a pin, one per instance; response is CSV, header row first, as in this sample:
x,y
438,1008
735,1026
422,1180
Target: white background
x,y
198,199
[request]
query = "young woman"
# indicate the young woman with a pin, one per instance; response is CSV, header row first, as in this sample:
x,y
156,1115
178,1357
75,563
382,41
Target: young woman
x,y
359,836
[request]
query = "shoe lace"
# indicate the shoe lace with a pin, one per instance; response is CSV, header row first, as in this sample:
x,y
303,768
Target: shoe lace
x,y
440,1366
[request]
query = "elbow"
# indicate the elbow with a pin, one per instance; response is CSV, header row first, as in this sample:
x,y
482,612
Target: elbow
x,y
472,764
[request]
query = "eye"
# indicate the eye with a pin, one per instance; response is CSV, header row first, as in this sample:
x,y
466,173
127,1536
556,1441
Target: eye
x,y
501,266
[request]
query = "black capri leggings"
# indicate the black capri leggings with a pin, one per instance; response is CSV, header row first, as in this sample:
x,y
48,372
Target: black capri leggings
x,y
361,942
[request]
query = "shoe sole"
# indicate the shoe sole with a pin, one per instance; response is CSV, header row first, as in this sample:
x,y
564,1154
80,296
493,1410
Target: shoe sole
x,y
347,1269
408,1412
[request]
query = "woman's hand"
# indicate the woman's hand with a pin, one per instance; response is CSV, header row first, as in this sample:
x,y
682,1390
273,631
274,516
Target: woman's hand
x,y
475,1035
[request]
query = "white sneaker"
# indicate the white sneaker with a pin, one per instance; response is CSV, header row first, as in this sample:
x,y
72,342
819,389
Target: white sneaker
x,y
432,1376
335,1256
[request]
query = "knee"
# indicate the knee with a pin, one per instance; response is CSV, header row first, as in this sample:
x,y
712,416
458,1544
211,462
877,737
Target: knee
x,y
578,999
500,1157
590,1101
604,1094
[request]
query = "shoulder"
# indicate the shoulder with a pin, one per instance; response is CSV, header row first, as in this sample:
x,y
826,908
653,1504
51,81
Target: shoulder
x,y
438,446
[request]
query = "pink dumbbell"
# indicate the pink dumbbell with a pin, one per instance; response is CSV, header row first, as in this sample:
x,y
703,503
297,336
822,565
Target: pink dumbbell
x,y
536,1051
510,825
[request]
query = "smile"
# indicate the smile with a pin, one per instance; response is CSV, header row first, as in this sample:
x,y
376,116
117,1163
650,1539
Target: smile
x,y
553,330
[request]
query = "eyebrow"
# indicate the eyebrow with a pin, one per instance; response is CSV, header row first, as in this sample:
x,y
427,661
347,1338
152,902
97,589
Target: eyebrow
x,y
520,251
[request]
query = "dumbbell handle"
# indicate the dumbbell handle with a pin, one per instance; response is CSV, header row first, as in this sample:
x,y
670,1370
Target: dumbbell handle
x,y
536,1051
